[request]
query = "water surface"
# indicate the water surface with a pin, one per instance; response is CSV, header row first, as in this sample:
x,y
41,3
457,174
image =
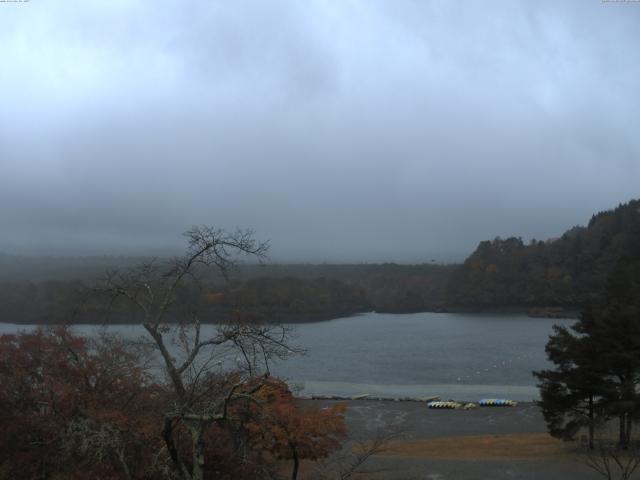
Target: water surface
x,y
462,356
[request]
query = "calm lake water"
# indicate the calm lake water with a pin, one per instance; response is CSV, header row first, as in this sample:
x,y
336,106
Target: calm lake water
x,y
461,356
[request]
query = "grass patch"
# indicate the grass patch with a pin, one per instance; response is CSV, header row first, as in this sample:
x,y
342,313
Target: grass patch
x,y
483,447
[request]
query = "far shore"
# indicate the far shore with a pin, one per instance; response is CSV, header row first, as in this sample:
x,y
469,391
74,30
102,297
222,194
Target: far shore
x,y
532,312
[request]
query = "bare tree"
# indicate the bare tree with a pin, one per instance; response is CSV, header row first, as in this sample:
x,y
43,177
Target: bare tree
x,y
610,458
352,461
202,379
611,461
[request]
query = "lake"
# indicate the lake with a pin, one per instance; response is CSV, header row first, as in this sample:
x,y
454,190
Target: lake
x,y
460,356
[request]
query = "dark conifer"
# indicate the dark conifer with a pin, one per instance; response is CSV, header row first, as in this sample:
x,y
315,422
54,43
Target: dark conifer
x,y
597,362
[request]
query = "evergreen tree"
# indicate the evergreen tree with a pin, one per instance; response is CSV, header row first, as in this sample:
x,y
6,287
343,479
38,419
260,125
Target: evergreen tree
x,y
597,361
572,394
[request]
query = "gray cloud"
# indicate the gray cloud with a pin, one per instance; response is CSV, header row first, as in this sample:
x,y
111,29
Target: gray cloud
x,y
342,131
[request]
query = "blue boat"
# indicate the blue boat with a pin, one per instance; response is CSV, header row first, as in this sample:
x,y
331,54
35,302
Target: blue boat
x,y
497,402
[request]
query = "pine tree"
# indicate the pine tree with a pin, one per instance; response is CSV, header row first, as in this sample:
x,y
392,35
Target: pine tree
x,y
572,395
597,361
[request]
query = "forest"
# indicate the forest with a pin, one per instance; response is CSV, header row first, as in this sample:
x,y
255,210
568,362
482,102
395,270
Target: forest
x,y
559,274
555,277
57,292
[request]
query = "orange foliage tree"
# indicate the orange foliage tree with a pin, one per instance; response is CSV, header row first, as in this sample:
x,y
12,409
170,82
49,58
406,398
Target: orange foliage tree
x,y
70,404
290,431
73,407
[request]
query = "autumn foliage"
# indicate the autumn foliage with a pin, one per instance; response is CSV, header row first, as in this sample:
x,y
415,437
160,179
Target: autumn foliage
x,y
73,407
291,432
70,404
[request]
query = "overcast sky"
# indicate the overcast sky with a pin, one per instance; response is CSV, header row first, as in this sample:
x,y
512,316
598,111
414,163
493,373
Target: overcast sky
x,y
340,130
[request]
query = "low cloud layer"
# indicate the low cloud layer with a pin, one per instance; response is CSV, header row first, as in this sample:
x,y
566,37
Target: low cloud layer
x,y
341,131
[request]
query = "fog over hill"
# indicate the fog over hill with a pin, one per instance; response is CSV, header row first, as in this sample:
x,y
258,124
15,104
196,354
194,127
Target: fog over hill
x,y
342,131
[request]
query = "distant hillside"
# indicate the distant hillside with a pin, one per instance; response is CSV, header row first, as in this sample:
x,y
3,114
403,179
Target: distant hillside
x,y
389,287
50,290
545,278
563,273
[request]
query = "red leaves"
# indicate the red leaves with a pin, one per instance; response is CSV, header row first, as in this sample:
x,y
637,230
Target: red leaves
x,y
287,428
75,407
50,381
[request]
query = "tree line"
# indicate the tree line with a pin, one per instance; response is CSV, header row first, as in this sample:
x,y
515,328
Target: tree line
x,y
569,272
546,278
275,293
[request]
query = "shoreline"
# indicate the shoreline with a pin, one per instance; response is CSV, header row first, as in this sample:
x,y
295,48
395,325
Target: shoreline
x,y
301,319
500,443
461,404
424,393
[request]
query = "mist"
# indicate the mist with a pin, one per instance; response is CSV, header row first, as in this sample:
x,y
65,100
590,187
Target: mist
x,y
339,131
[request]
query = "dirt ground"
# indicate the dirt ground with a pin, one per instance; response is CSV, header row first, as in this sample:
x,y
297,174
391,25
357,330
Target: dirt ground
x,y
523,446
496,443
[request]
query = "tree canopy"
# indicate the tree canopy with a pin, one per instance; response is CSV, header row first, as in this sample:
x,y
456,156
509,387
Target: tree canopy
x,y
597,361
569,272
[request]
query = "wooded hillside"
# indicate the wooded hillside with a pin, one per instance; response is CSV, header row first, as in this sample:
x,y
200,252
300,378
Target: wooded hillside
x,y
566,272
542,277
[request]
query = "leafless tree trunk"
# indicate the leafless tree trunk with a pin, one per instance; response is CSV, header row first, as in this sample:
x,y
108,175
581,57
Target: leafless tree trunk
x,y
296,461
612,461
202,394
352,461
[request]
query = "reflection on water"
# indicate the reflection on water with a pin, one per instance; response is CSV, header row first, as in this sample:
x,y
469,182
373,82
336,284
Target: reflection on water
x,y
462,356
